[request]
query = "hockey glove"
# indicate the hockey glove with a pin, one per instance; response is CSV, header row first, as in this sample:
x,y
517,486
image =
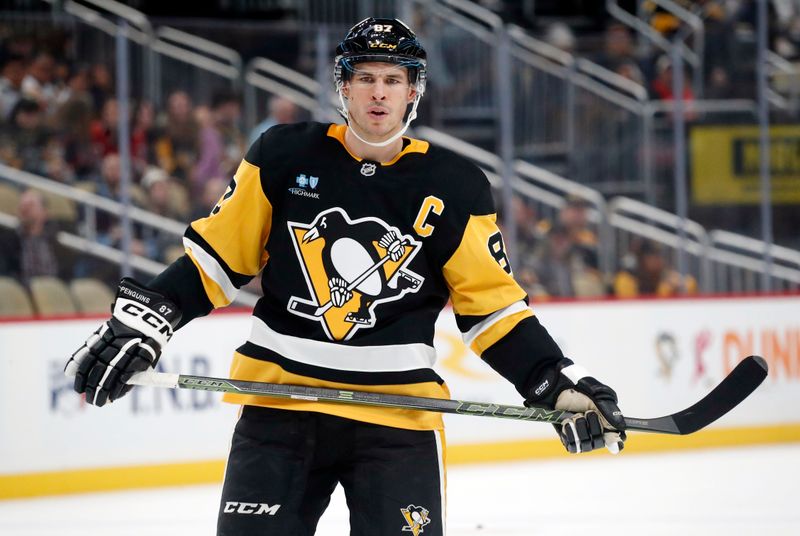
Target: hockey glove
x,y
598,420
130,341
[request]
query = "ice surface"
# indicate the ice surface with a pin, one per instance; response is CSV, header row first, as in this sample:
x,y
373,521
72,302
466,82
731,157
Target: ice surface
x,y
730,492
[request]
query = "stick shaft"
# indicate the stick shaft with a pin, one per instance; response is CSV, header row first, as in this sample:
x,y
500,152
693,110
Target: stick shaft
x,y
737,386
321,394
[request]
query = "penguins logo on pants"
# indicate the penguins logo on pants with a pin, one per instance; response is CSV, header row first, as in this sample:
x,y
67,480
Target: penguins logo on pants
x,y
416,518
350,267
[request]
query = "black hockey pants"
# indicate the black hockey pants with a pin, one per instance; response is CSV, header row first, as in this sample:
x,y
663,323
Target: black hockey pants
x,y
284,465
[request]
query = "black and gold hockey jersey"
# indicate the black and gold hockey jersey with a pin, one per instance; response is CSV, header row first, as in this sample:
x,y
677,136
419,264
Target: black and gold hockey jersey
x,y
358,260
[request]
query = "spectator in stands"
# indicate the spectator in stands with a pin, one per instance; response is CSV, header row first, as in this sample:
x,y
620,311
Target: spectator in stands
x,y
101,85
12,72
221,142
574,217
72,121
618,47
719,85
788,43
108,225
528,238
555,263
560,36
108,187
631,71
156,184
143,135
32,249
661,87
645,273
176,146
281,111
24,138
104,134
21,44
103,131
38,84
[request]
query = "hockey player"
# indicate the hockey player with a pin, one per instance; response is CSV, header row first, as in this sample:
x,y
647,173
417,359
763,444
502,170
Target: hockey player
x,y
363,236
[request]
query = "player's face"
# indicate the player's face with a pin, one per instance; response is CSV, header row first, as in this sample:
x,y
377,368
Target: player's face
x,y
378,95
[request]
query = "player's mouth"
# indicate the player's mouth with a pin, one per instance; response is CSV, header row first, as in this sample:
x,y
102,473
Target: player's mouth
x,y
377,112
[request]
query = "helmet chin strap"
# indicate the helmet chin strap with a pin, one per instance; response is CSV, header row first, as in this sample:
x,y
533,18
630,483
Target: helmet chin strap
x,y
411,116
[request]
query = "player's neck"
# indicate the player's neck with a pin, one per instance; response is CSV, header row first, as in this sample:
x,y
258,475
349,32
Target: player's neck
x,y
369,152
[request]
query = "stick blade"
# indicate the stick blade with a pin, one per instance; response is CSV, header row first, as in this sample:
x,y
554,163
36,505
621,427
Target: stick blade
x,y
738,385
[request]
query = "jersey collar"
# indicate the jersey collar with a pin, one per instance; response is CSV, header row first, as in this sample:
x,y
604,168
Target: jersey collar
x,y
337,131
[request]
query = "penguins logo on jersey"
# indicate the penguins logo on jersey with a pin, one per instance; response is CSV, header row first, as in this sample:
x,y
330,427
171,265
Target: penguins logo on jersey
x,y
350,267
416,519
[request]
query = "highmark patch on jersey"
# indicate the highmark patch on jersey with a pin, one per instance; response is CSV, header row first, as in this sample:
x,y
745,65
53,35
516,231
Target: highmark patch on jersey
x,y
351,267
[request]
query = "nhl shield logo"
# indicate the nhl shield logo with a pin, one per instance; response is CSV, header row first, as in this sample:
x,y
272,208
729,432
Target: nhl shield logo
x,y
351,267
416,519
368,169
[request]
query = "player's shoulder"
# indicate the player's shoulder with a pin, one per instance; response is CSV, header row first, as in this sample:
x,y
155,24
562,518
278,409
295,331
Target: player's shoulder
x,y
457,176
448,164
285,139
301,129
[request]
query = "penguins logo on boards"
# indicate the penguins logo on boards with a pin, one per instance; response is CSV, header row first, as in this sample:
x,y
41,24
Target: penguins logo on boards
x,y
351,267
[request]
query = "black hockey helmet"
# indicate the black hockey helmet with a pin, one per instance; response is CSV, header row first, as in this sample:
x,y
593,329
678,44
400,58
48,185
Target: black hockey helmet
x,y
386,40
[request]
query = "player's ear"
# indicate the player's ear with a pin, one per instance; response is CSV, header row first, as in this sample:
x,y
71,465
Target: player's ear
x,y
412,93
346,89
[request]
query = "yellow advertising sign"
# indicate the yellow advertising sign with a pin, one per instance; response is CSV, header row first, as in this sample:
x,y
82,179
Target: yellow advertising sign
x,y
725,164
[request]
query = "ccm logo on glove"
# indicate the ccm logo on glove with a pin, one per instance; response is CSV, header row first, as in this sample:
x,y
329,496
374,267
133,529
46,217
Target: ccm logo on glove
x,y
147,316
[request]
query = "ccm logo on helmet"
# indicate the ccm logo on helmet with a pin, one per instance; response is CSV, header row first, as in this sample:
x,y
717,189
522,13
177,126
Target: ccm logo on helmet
x,y
256,509
148,317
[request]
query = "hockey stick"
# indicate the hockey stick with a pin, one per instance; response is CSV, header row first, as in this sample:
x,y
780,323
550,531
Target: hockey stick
x,y
737,386
311,309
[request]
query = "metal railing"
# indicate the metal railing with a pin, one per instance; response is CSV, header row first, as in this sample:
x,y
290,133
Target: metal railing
x,y
785,83
545,191
343,12
95,33
631,218
656,151
91,204
693,56
737,262
184,61
264,78
572,109
473,42
721,261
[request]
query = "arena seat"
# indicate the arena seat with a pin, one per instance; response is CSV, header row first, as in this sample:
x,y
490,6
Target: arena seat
x,y
9,199
51,296
14,299
91,296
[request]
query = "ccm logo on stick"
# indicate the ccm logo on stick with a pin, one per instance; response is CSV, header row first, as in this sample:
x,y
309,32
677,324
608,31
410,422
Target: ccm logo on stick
x,y
256,509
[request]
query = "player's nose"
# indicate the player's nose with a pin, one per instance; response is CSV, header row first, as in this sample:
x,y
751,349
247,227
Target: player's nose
x,y
379,90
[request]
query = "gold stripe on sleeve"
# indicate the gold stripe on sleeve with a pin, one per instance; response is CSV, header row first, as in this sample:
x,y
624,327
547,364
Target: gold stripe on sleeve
x,y
213,290
497,331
